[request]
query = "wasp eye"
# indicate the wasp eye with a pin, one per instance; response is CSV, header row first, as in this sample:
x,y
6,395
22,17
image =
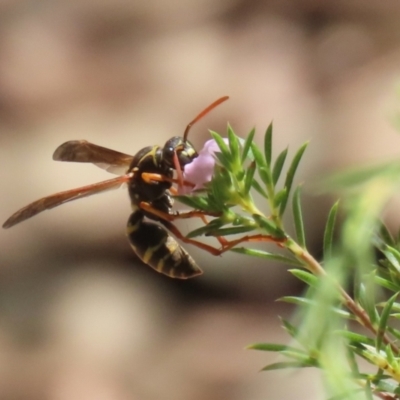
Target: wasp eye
x,y
172,145
184,151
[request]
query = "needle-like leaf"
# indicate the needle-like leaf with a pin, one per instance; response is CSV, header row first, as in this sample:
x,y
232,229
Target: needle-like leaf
x,y
278,166
384,320
247,144
249,177
234,144
298,218
290,175
267,255
221,144
259,189
235,230
329,231
268,145
305,276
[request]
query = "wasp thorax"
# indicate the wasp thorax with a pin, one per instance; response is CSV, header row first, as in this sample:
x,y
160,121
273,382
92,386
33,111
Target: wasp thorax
x,y
184,150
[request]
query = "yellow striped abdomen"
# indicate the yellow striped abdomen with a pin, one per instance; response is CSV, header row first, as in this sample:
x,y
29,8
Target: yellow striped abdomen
x,y
158,249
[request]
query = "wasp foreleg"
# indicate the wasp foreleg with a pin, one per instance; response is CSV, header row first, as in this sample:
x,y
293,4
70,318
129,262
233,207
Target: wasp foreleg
x,y
151,177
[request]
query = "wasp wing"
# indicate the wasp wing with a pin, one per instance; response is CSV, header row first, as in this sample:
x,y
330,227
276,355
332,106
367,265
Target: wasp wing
x,y
46,203
86,152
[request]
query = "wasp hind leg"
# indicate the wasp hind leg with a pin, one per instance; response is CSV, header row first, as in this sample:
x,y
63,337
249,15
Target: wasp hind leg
x,y
156,248
166,218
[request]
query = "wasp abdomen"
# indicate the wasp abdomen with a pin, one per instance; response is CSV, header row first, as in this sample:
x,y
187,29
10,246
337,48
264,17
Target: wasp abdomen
x,y
157,248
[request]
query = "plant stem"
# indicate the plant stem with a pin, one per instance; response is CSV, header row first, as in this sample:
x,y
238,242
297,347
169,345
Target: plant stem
x,y
315,267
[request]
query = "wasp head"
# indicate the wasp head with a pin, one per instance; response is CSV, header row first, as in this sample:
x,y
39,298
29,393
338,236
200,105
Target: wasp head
x,y
184,150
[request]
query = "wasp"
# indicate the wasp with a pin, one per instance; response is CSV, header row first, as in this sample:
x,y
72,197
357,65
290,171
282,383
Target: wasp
x,y
149,175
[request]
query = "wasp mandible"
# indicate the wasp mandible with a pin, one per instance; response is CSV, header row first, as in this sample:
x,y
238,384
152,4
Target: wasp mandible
x,y
149,175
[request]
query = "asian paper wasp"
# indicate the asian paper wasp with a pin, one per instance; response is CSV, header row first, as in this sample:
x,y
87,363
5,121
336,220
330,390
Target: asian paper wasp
x,y
149,175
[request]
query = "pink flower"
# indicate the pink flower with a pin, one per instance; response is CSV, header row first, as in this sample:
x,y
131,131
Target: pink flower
x,y
201,169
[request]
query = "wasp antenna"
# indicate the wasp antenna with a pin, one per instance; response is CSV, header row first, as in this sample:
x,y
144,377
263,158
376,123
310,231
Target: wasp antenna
x,y
202,114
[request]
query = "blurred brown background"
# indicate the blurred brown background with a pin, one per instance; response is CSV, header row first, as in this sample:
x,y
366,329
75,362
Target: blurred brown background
x,y
80,317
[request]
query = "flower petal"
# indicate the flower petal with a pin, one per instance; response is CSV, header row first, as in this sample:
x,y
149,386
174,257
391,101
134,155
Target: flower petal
x,y
201,169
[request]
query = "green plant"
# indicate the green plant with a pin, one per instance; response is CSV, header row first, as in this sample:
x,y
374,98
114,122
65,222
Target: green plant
x,y
349,310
